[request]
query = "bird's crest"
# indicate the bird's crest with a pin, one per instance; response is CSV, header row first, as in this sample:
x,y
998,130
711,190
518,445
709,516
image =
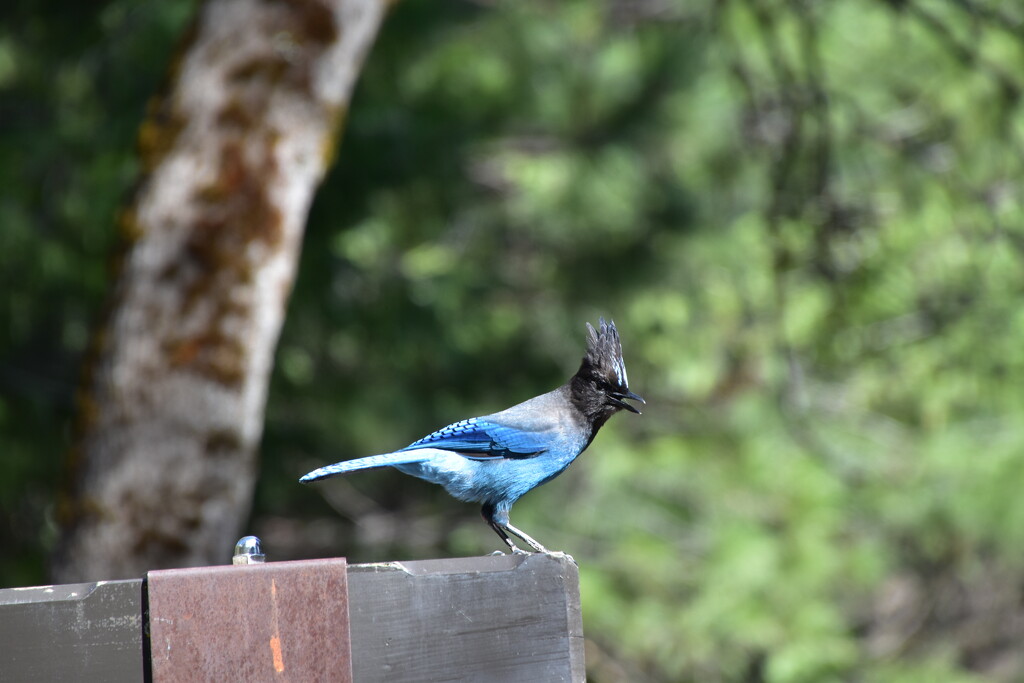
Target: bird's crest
x,y
604,351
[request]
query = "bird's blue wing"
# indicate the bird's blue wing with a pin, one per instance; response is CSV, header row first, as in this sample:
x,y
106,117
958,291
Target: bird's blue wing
x,y
480,438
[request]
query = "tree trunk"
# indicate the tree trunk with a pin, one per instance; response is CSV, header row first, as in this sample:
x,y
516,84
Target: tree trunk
x,y
172,408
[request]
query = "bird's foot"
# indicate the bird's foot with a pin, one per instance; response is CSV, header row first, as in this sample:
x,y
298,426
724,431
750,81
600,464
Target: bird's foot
x,y
516,550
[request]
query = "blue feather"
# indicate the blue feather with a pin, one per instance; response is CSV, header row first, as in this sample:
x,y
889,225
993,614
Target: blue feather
x,y
479,438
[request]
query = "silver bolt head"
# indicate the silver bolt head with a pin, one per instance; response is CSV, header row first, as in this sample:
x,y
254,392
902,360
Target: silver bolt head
x,y
248,550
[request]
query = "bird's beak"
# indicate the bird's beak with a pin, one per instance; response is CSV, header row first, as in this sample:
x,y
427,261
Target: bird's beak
x,y
618,396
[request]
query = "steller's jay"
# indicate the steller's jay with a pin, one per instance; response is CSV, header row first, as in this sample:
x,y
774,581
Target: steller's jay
x,y
495,459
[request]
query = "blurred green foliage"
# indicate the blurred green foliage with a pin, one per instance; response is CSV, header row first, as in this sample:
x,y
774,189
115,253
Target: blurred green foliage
x,y
805,218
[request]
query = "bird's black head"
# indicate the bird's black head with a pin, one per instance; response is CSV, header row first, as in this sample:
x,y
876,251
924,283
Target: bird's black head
x,y
600,387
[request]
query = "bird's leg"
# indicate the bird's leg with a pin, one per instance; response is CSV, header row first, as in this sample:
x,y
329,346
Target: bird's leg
x,y
490,514
516,550
537,546
526,537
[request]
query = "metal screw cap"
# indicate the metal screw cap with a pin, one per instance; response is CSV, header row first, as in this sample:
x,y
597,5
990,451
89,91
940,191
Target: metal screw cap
x,y
248,550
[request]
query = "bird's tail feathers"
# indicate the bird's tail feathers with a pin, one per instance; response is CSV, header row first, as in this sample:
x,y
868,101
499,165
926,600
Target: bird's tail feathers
x,y
370,462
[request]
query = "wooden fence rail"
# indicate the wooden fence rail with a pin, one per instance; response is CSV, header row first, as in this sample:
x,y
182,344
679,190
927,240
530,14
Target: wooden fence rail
x,y
501,618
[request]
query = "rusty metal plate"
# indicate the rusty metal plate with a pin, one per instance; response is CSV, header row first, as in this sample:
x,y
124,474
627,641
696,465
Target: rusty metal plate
x,y
281,621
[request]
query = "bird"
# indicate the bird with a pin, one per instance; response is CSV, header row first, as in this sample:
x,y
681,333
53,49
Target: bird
x,y
495,459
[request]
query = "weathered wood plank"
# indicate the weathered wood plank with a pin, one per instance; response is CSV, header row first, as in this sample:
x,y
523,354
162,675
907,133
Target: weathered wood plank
x,y
501,618
76,632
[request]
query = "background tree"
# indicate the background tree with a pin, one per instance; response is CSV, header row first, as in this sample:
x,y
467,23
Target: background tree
x,y
172,410
804,217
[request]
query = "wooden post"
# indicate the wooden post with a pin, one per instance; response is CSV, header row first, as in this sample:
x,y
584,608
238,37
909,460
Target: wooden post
x,y
500,618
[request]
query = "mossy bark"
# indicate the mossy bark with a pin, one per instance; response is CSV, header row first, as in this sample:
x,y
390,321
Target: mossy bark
x,y
171,412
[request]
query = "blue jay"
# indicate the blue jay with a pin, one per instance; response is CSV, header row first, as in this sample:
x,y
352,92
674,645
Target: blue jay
x,y
495,459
